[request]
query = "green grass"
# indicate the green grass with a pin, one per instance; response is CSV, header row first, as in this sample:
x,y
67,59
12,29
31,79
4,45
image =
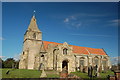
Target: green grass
x,y
103,75
80,74
24,73
52,76
21,73
85,75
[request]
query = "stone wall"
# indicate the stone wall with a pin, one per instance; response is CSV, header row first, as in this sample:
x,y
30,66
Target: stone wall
x,y
89,60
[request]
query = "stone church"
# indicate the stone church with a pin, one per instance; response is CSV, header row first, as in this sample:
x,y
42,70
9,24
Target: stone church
x,y
38,54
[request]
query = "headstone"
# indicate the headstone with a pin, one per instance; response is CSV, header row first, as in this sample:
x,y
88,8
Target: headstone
x,y
98,74
95,70
43,74
89,71
8,71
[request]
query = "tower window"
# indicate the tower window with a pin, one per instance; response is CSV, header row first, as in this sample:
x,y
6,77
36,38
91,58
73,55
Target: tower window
x,y
65,51
34,36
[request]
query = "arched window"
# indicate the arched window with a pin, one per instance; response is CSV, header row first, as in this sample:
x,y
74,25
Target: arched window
x,y
81,64
34,36
65,51
96,60
104,61
82,61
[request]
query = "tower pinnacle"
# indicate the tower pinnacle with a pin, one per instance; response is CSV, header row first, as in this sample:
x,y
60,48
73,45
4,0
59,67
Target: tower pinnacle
x,y
34,13
33,24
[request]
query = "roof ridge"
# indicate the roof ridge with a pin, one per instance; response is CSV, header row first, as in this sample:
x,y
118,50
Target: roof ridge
x,y
54,42
74,45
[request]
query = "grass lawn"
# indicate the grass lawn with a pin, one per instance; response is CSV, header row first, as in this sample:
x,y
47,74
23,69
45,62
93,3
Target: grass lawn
x,y
24,73
103,75
85,75
80,74
52,76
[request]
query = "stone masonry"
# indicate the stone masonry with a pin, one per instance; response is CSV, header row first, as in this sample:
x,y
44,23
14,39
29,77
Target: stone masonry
x,y
38,54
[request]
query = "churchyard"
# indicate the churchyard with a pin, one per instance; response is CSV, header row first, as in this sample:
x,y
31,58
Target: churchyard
x,y
24,73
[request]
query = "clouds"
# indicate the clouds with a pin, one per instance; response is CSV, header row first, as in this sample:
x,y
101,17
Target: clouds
x,y
72,21
17,57
84,20
91,15
114,22
66,20
115,60
2,56
1,38
92,35
78,25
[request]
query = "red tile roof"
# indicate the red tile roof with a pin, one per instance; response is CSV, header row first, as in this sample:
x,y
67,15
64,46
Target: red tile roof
x,y
46,43
78,49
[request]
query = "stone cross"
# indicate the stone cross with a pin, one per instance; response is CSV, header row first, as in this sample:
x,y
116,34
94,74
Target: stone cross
x,y
43,74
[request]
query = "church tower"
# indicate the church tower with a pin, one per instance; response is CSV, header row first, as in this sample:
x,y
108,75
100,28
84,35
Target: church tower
x,y
31,45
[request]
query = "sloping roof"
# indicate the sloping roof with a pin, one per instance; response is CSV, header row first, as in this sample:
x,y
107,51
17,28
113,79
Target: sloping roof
x,y
46,43
78,49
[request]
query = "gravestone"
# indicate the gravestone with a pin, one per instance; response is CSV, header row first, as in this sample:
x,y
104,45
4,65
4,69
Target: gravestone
x,y
43,74
8,71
